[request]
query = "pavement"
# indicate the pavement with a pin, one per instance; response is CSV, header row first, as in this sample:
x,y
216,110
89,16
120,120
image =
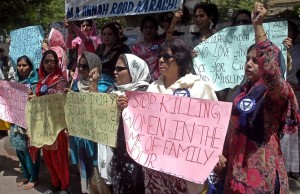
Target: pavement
x,y
10,174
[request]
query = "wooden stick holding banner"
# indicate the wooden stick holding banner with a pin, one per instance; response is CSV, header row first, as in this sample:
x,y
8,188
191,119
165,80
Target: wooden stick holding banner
x,y
13,97
45,118
176,135
92,116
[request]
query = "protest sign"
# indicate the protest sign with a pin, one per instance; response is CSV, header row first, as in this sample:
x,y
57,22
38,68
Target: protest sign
x,y
26,41
92,116
13,97
87,9
221,58
45,118
176,135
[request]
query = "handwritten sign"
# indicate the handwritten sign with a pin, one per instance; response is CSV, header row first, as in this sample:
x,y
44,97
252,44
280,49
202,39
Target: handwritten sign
x,y
176,135
87,9
221,58
45,118
13,97
92,116
26,41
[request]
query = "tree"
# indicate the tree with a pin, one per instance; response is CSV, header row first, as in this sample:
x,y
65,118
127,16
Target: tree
x,y
225,5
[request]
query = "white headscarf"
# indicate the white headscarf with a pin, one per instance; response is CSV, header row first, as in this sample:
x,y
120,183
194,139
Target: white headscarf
x,y
93,62
139,73
140,76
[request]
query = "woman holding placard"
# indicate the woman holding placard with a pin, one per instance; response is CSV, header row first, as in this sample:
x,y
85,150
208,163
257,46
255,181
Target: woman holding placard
x,y
83,152
176,68
26,74
264,108
131,74
51,81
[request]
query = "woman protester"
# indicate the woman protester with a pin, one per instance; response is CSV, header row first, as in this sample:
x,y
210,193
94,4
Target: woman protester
x,y
176,68
148,48
206,17
131,74
111,48
56,42
26,74
82,151
241,17
51,81
86,40
264,108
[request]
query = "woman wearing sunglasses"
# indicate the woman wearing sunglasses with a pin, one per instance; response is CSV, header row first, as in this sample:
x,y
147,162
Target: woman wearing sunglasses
x,y
176,68
131,74
51,81
83,152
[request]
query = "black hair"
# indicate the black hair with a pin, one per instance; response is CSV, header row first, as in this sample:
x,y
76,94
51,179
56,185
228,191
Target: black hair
x,y
2,50
210,9
26,59
237,13
52,52
182,54
114,29
119,26
151,19
294,28
89,21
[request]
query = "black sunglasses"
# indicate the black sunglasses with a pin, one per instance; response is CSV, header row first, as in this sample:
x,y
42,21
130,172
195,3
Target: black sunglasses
x,y
165,56
83,66
119,68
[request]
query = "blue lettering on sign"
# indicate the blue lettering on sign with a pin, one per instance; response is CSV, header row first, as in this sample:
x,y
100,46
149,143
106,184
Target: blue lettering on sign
x,y
139,7
158,6
122,7
77,12
151,7
102,9
70,13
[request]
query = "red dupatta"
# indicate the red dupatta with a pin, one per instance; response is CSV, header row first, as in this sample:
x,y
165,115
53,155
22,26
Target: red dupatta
x,y
48,80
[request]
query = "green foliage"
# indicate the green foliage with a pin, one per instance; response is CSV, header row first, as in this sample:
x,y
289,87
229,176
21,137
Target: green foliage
x,y
225,5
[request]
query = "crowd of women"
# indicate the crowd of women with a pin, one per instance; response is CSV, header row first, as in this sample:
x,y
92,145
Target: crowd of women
x,y
252,159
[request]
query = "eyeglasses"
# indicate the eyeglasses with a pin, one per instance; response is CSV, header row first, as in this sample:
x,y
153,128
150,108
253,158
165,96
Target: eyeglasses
x,y
83,66
165,56
242,21
47,61
120,68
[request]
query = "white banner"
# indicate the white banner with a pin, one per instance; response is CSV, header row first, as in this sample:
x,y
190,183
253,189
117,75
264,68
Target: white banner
x,y
87,9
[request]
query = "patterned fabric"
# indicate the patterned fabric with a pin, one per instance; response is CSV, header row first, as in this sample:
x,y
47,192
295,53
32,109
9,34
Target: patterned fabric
x,y
139,73
109,59
54,81
149,54
18,141
126,175
252,165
